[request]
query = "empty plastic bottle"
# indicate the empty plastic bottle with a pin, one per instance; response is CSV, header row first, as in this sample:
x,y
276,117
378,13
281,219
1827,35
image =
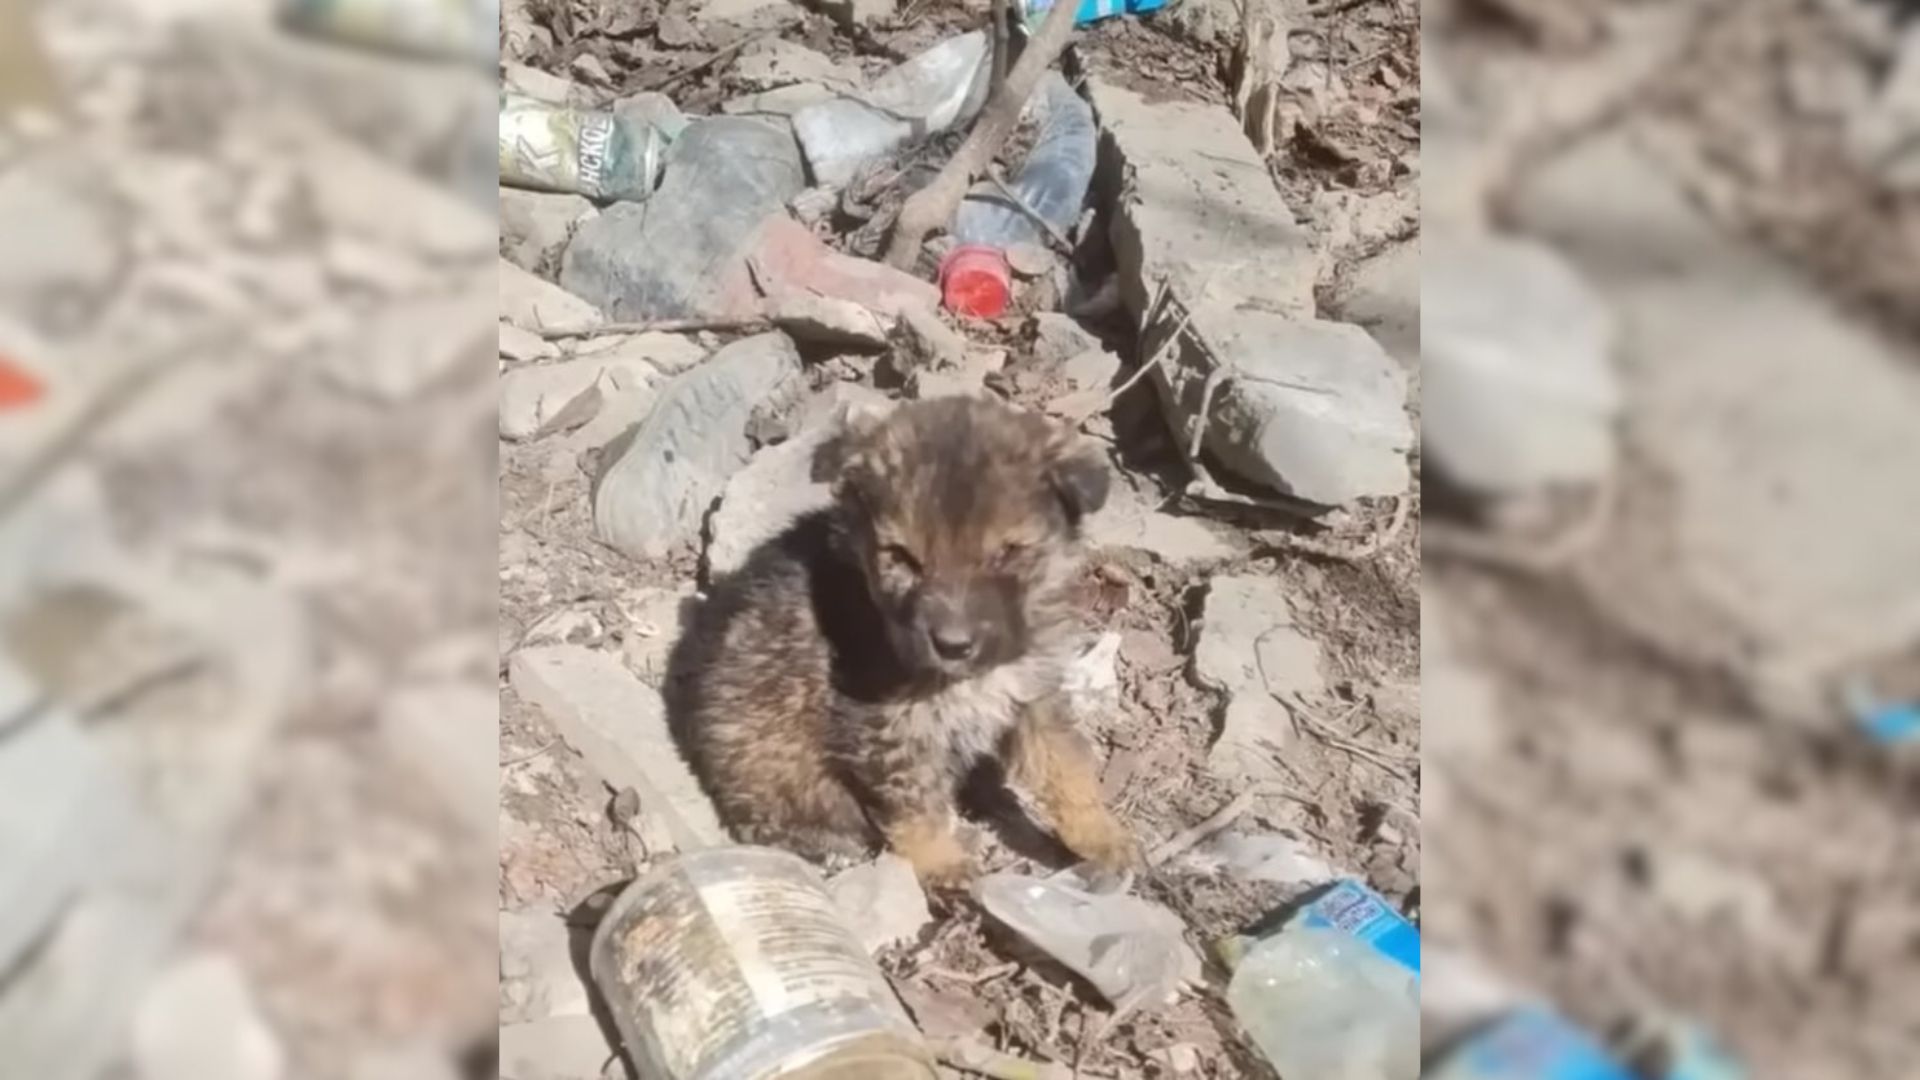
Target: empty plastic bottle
x,y
1032,11
1335,994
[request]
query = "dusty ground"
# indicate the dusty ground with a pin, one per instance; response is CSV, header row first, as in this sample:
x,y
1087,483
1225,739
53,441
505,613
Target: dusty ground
x,y
1354,180
1644,829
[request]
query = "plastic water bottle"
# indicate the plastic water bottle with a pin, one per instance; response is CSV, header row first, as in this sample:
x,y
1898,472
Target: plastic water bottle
x,y
1335,994
1032,11
1530,1044
601,155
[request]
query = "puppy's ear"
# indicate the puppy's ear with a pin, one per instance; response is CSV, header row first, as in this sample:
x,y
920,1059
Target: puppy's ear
x,y
853,433
1079,475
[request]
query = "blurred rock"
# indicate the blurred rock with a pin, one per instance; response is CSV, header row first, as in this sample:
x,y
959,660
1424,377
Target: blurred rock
x,y
444,733
417,345
824,320
532,397
411,1061
558,1048
882,902
765,497
619,726
774,63
546,86
1057,337
778,105
363,196
535,303
538,978
1383,295
536,225
523,345
1885,137
1518,388
62,243
1130,520
860,14
656,492
1250,650
924,341
198,1021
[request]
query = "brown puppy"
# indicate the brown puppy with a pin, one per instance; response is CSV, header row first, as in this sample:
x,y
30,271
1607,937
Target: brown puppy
x,y
841,685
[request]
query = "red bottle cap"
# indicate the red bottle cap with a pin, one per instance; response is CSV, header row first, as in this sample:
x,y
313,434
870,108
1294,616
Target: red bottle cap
x,y
18,388
976,281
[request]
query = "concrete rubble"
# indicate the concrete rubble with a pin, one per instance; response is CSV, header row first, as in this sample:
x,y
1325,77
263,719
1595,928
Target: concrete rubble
x,y
882,901
1250,650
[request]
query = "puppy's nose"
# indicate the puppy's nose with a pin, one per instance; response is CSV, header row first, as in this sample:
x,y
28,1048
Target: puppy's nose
x,y
953,641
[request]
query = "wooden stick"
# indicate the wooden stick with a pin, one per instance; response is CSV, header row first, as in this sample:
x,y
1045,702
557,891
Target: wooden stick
x,y
1181,842
662,326
933,206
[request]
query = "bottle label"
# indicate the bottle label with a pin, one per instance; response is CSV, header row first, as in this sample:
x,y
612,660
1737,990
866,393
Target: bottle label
x,y
1356,910
1532,1044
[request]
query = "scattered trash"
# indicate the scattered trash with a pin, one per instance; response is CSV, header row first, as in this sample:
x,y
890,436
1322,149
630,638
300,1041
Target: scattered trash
x,y
1887,723
932,92
1133,951
598,154
1032,11
446,29
1051,185
1531,1043
735,962
1661,1048
882,901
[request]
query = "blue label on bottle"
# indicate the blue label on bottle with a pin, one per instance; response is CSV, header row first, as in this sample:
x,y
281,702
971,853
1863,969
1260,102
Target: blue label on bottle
x,y
1532,1044
1352,908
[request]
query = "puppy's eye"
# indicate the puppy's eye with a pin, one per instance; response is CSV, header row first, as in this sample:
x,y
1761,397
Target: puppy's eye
x,y
896,558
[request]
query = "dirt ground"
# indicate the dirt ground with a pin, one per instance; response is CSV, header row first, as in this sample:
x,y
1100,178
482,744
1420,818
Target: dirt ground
x,y
1645,831
1351,173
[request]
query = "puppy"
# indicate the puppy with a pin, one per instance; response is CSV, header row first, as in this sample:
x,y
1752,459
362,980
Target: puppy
x,y
842,684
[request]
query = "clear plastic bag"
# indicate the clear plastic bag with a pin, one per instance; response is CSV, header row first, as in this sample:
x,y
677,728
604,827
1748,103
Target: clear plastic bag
x,y
1133,951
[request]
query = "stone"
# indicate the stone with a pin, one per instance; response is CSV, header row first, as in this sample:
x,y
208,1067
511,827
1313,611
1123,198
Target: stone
x,y
763,498
856,14
619,727
778,105
406,1061
927,385
524,345
1200,208
536,225
1269,857
588,69
557,1048
535,303
538,978
198,1021
414,346
1250,651
567,627
669,354
444,732
1131,521
1518,391
650,108
1057,338
1312,409
533,397
749,12
655,492
824,320
826,404
789,258
774,63
1383,296
686,251
1096,369
364,196
1782,423
882,902
654,619
545,86
1885,137
61,241
924,341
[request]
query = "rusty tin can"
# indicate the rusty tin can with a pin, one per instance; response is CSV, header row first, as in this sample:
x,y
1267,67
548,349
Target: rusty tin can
x,y
734,964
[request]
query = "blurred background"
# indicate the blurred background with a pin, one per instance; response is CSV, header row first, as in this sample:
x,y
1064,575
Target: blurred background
x,y
247,767
1671,602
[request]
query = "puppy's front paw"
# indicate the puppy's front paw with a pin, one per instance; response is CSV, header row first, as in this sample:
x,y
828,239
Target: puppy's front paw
x,y
1098,837
940,859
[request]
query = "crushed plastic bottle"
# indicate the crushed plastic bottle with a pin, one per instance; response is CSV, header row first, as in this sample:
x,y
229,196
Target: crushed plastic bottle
x,y
600,155
941,87
1033,11
1052,182
1335,993
1133,951
1531,1043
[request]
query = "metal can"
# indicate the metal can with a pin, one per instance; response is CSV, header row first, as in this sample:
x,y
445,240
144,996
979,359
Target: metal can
x,y
734,964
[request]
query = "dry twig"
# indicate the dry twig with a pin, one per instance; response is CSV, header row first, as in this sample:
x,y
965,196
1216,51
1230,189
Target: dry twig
x,y
724,323
1179,843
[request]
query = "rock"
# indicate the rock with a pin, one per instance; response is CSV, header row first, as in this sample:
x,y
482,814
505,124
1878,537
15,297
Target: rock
x,y
1057,338
1777,418
524,345
757,13
1200,204
414,346
619,726
1886,136
669,354
444,732
927,385
826,321
685,251
545,86
655,493
1383,295
1518,390
1311,409
364,196
588,69
558,1048
536,225
535,303
410,1061
826,404
652,109
1268,857
773,63
855,14
779,105
1250,650
763,498
654,619
567,627
1180,1059
790,259
1094,371
532,397
63,243
198,1021
1130,520
882,902
538,978
924,341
